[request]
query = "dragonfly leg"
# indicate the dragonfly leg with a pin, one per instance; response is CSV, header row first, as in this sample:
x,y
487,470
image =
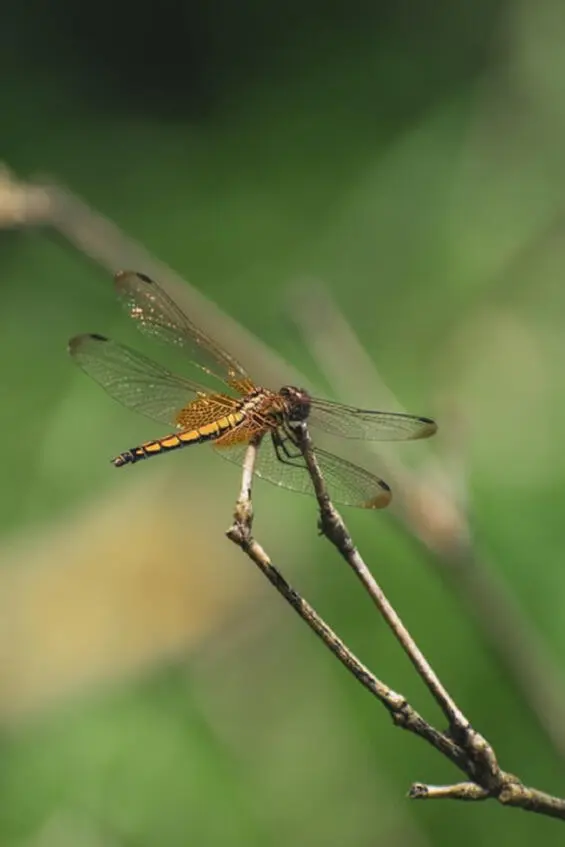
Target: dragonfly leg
x,y
284,452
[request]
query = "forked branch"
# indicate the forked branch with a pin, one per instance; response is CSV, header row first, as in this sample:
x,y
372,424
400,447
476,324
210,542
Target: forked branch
x,y
460,743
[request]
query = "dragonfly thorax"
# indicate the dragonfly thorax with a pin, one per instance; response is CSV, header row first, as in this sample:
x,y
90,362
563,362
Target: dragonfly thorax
x,y
297,403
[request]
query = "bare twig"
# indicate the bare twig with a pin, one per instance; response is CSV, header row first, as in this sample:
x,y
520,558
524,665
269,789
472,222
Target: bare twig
x,y
461,744
457,791
439,519
335,530
402,713
512,794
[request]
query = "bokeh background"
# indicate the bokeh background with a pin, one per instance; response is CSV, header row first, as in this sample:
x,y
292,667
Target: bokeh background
x,y
375,192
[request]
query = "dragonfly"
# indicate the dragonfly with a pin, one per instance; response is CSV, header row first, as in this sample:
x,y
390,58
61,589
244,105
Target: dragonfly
x,y
238,410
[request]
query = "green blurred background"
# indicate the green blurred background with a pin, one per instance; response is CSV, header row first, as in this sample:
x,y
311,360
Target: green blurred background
x,y
405,160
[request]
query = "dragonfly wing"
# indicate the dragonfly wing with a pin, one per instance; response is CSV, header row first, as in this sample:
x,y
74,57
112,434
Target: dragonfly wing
x,y
143,385
352,485
350,422
347,484
158,316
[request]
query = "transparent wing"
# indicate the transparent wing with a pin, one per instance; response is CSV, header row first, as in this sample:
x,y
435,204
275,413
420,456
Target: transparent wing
x,y
146,387
350,422
348,484
158,316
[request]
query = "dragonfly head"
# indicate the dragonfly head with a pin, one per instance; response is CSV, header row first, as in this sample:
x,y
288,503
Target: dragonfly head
x,y
297,402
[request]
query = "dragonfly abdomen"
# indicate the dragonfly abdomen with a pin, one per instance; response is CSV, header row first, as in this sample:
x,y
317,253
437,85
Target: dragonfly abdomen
x,y
207,432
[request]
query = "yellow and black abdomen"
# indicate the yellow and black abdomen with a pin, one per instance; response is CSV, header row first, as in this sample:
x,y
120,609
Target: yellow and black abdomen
x,y
206,432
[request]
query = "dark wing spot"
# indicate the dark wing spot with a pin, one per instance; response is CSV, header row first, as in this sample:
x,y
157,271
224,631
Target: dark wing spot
x,y
78,340
431,427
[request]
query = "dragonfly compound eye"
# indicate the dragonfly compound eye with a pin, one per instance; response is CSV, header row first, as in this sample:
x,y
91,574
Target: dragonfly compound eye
x,y
298,403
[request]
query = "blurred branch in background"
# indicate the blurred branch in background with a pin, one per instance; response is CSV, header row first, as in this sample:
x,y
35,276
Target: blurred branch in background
x,y
22,204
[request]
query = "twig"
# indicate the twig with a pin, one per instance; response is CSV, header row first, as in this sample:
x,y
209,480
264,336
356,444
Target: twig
x,y
468,750
402,713
335,530
457,791
440,521
333,527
